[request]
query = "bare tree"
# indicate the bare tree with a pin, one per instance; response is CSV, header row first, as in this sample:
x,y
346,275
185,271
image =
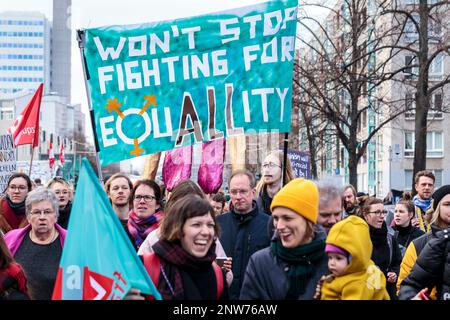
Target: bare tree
x,y
340,77
425,26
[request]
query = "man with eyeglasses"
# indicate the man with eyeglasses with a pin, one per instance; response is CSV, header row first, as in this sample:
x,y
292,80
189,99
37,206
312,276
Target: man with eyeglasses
x,y
271,179
244,228
330,203
12,204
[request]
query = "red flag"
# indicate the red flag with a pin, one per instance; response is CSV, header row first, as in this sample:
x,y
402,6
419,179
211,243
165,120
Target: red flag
x,y
61,153
25,129
51,156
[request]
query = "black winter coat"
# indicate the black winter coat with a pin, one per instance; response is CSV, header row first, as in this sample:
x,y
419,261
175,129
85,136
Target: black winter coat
x,y
241,236
432,269
266,278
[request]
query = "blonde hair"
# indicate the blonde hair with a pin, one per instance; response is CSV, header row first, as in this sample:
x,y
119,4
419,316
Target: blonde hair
x,y
289,172
436,217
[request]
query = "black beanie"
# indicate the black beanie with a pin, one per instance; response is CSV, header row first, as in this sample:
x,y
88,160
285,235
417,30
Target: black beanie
x,y
439,194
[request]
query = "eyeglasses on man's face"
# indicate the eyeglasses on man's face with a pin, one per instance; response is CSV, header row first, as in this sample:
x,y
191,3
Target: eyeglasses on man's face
x,y
146,198
45,212
379,212
270,165
19,188
235,192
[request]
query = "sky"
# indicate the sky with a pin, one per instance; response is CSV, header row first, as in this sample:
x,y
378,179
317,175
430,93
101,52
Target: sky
x,y
96,13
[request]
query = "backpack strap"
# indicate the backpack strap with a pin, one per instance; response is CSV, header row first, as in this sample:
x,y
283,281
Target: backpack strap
x,y
219,279
153,266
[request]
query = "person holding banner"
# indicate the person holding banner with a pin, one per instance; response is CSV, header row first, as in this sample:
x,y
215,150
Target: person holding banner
x,y
272,179
118,188
63,191
147,213
38,246
185,254
12,205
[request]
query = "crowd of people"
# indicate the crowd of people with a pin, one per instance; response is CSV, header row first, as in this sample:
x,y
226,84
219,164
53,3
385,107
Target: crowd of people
x,y
258,241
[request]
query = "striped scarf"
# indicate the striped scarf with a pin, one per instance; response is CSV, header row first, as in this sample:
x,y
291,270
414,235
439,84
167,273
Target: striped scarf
x,y
139,228
422,204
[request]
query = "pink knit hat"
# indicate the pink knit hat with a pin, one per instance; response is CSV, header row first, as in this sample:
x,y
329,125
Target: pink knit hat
x,y
336,249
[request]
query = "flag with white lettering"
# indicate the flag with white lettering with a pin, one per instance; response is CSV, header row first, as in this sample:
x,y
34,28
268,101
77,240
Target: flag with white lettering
x,y
163,85
25,129
98,260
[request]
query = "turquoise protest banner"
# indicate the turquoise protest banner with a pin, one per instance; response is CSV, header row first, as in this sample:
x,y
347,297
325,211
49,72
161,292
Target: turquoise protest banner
x,y
98,260
162,85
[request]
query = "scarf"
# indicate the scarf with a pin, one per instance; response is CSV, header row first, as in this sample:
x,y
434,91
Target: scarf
x,y
266,200
12,277
381,253
140,227
422,204
302,261
173,259
13,213
64,215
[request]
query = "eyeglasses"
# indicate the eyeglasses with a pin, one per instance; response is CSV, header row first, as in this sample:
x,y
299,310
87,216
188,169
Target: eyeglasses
x,y
235,192
39,212
20,188
146,198
379,213
270,165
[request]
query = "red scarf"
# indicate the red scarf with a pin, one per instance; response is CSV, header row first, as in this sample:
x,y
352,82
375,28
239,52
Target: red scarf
x,y
11,277
14,218
173,258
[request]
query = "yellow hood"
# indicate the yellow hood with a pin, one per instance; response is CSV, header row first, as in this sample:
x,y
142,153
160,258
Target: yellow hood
x,y
352,235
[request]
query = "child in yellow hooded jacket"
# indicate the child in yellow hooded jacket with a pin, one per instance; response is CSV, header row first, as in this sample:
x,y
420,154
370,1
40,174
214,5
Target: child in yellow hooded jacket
x,y
354,276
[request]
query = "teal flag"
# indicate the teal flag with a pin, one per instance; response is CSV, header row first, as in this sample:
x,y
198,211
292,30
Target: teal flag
x,y
162,85
98,260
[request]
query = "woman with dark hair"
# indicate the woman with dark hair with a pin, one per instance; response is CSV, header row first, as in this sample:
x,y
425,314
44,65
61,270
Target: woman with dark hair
x,y
386,253
147,213
405,232
183,266
12,205
185,188
13,283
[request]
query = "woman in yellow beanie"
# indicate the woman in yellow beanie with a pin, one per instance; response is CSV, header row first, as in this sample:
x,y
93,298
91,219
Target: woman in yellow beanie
x,y
291,267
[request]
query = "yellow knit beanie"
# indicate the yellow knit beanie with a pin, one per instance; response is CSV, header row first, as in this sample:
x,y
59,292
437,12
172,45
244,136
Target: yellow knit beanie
x,y
301,196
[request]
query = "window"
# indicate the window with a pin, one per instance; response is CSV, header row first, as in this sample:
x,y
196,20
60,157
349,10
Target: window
x,y
411,33
438,176
436,69
434,113
410,106
435,144
409,144
409,70
408,180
